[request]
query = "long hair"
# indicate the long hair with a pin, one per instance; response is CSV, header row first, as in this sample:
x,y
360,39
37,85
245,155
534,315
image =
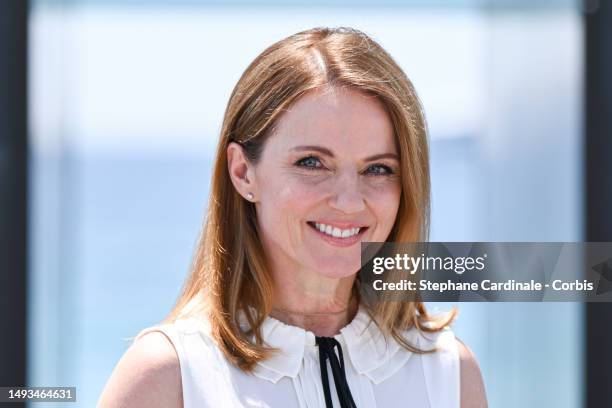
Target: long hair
x,y
229,275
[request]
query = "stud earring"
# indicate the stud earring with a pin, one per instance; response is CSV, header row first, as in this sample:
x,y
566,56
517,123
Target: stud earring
x,y
250,196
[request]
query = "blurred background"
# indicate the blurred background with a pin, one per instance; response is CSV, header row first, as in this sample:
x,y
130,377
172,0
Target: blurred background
x,y
111,112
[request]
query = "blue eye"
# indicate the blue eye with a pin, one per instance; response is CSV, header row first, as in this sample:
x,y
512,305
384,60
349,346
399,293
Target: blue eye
x,y
310,162
380,170
313,163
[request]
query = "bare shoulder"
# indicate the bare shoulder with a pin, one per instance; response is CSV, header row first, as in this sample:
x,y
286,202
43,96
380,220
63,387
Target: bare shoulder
x,y
472,386
147,375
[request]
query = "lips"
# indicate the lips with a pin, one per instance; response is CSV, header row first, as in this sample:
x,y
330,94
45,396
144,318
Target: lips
x,y
339,224
338,240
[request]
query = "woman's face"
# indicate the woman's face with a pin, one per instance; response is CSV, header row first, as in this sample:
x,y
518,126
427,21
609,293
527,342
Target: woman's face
x,y
330,164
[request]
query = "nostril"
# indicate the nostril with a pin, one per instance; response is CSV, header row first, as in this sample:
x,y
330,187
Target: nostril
x,y
347,202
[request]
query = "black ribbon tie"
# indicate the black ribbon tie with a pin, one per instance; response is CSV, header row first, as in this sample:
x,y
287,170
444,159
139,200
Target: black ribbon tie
x,y
327,352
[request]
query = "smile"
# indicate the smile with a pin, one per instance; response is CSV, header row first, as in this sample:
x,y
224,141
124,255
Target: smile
x,y
335,231
336,235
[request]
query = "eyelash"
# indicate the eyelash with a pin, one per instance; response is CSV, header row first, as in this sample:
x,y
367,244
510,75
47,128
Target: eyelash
x,y
389,170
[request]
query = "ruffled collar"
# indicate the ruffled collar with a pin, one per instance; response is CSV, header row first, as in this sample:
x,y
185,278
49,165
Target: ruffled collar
x,y
369,351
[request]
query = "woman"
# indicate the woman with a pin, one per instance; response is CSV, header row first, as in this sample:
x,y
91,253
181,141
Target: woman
x,y
323,145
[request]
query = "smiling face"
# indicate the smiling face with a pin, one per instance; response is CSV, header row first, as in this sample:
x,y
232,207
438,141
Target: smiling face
x,y
329,168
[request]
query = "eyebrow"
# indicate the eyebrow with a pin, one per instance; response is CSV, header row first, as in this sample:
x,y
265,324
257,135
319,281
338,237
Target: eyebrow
x,y
327,152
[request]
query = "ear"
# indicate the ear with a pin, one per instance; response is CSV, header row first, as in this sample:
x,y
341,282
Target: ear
x,y
241,171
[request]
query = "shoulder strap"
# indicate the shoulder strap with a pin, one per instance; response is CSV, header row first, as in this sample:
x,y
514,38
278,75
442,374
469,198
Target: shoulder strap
x,y
441,369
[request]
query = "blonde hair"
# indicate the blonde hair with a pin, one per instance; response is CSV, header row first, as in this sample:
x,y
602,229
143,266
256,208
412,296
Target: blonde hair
x,y
229,268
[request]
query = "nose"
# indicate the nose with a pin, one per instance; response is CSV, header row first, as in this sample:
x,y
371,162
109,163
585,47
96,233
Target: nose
x,y
347,196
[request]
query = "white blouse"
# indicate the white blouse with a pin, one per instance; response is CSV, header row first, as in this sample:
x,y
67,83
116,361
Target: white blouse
x,y
379,372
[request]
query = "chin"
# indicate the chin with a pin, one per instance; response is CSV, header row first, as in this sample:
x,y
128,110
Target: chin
x,y
337,270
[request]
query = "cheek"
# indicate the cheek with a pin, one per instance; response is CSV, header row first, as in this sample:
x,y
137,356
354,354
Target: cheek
x,y
291,199
385,204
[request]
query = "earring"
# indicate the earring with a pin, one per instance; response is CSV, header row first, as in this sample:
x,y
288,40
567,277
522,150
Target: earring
x,y
250,196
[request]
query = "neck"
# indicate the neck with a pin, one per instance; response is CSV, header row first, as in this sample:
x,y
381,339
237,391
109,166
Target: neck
x,y
305,298
322,317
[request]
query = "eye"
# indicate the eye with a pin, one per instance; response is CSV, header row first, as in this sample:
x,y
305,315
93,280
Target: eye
x,y
380,170
310,162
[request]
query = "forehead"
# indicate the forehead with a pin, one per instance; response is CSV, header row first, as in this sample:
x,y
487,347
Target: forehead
x,y
346,121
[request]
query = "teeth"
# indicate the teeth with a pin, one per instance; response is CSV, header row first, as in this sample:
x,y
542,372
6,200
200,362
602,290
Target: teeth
x,y
337,232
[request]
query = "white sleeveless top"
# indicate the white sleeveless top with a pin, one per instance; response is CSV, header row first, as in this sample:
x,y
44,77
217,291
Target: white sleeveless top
x,y
379,372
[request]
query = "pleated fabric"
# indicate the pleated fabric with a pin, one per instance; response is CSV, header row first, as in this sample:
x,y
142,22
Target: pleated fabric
x,y
379,372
